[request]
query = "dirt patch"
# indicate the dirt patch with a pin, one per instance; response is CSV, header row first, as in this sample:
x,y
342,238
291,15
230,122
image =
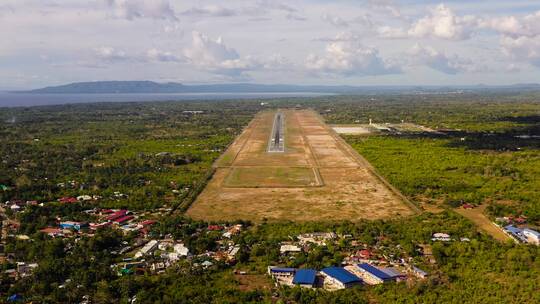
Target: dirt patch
x,y
272,177
251,282
253,184
477,216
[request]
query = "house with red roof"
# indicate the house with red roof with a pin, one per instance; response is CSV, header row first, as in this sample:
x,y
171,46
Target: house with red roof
x,y
68,200
116,215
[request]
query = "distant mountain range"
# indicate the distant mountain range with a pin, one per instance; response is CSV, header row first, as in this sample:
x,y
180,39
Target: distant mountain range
x,y
142,87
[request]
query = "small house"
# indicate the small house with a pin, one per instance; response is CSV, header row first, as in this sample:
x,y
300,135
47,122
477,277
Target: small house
x,y
279,272
419,272
289,248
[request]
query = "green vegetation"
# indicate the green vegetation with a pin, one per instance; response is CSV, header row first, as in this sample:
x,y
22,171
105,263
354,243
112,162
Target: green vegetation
x,y
142,150
432,169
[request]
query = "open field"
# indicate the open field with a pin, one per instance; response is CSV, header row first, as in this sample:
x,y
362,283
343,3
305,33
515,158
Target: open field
x,y
318,177
477,216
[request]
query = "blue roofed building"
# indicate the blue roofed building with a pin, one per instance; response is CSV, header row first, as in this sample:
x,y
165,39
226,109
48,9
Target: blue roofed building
x,y
372,274
305,278
282,275
339,278
73,225
516,233
394,273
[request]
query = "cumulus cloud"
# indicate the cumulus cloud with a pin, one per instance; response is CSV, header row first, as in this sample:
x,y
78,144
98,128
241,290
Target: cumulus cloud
x,y
343,36
334,20
350,58
443,23
134,9
110,54
258,8
520,36
522,48
214,55
274,5
391,32
440,61
162,56
385,6
210,11
295,17
528,25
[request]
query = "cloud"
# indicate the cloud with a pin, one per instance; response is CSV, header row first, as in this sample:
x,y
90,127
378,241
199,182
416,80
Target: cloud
x,y
210,11
385,6
391,32
443,23
528,25
520,36
259,8
350,58
440,61
343,36
274,5
134,9
295,17
335,20
522,48
215,56
162,56
111,54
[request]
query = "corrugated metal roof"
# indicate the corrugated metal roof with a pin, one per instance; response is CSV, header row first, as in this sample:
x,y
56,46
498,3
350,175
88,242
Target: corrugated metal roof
x,y
531,231
374,271
392,272
278,269
512,229
341,275
420,271
305,276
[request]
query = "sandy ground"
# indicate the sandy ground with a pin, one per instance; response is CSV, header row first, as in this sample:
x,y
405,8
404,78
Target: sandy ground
x,y
476,215
346,188
351,130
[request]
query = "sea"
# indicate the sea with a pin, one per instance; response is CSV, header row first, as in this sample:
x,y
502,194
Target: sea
x,y
8,99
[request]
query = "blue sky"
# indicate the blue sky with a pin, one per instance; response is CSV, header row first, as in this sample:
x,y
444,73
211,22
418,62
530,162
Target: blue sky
x,y
354,42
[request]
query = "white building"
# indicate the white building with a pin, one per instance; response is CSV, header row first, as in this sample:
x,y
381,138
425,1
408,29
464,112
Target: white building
x,y
533,237
148,248
289,248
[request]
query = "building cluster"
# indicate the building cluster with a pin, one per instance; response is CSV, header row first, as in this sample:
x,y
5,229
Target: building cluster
x,y
333,278
365,264
157,255
122,219
523,235
21,270
516,228
445,237
154,255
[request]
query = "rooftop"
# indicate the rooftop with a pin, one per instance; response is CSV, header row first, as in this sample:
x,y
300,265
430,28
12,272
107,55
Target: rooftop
x,y
341,275
305,276
279,269
374,271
